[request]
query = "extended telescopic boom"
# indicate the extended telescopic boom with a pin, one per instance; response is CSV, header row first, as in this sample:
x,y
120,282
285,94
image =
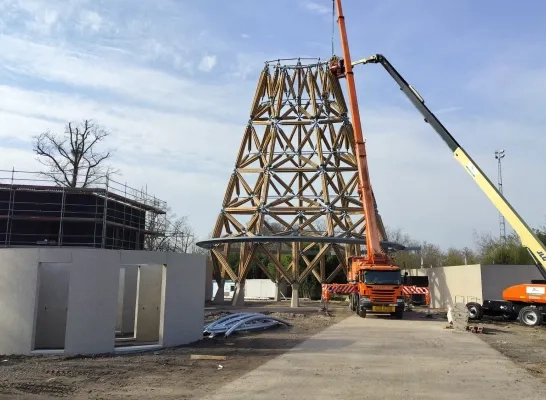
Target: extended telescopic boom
x,y
528,238
372,232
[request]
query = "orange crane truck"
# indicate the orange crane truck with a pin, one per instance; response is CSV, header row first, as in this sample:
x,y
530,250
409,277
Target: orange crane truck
x,y
375,283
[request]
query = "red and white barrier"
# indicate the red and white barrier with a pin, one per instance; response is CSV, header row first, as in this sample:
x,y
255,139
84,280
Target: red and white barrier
x,y
415,290
348,288
340,288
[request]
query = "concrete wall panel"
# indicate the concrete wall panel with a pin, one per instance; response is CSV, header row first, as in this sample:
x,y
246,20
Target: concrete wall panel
x,y
260,288
454,283
52,307
182,299
137,257
148,299
53,255
496,278
18,299
93,291
208,279
92,301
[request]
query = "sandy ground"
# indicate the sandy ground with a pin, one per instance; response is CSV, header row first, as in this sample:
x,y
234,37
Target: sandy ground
x,y
158,375
170,374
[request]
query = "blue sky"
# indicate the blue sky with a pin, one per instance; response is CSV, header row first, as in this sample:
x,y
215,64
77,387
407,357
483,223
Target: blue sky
x,y
173,80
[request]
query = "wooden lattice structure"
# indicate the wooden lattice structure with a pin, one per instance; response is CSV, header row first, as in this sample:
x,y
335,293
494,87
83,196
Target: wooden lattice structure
x,y
295,175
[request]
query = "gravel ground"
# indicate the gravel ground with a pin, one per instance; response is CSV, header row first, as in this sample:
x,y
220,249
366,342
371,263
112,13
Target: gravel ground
x,y
165,374
524,345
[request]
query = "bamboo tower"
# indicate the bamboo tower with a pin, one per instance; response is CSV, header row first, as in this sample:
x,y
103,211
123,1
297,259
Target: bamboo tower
x,y
295,176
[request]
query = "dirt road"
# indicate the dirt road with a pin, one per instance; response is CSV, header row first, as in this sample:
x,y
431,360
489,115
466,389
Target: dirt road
x,y
381,358
167,374
420,358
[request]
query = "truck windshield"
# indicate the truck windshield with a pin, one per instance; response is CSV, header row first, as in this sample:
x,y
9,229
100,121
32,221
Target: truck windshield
x,y
383,277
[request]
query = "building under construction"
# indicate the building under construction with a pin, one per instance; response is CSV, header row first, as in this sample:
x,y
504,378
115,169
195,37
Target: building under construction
x,y
34,211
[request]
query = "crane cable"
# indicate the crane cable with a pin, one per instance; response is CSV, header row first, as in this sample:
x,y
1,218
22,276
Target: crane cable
x,y
333,25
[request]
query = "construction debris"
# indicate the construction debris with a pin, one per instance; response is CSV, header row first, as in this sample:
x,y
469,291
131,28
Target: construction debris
x,y
241,322
475,329
458,316
206,357
458,319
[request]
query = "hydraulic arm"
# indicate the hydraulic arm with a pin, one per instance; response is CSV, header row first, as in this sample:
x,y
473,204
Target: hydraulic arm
x,y
528,238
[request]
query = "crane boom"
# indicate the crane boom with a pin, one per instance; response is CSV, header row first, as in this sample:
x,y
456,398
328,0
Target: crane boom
x,y
366,195
528,238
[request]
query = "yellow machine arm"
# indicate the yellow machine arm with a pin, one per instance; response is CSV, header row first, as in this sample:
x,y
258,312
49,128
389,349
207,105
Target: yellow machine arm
x,y
528,238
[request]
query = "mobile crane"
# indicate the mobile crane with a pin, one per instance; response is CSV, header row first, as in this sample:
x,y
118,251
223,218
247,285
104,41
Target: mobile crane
x,y
526,302
375,283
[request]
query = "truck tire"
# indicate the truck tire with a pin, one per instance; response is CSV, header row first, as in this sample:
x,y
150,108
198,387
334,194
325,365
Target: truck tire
x,y
529,316
475,311
352,302
362,313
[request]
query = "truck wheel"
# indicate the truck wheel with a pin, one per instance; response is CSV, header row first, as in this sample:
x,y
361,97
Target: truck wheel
x,y
475,311
362,313
352,302
529,316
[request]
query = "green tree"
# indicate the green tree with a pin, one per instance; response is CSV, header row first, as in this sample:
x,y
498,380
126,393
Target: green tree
x,y
453,256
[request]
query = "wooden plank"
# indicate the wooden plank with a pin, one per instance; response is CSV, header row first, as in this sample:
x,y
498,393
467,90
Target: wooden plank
x,y
207,357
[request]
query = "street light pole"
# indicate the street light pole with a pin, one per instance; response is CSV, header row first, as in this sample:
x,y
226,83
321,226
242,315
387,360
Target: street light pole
x,y
499,155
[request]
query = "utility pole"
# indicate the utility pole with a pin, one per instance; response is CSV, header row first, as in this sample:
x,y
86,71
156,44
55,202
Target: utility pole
x,y
499,155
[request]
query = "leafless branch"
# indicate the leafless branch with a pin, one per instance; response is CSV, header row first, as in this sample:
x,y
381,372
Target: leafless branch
x,y
72,158
178,236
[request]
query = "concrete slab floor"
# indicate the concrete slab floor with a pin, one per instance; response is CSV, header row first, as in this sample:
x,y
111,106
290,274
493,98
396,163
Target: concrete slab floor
x,y
376,358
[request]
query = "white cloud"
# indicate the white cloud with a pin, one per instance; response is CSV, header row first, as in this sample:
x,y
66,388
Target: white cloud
x,y
136,130
447,110
43,22
207,63
316,7
92,71
90,20
180,135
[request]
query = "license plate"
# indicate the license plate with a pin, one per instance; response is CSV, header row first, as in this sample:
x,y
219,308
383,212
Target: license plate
x,y
383,308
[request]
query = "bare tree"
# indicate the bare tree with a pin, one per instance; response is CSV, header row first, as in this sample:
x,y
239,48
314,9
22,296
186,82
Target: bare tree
x,y
72,158
176,234
397,235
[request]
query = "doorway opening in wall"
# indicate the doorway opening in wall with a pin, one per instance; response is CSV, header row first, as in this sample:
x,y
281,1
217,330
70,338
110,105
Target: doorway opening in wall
x,y
127,292
52,306
139,305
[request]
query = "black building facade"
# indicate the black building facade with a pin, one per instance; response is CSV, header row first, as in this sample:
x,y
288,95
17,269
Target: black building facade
x,y
84,217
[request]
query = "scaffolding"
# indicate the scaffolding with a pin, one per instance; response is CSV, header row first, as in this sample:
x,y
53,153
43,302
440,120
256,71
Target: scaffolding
x,y
36,211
